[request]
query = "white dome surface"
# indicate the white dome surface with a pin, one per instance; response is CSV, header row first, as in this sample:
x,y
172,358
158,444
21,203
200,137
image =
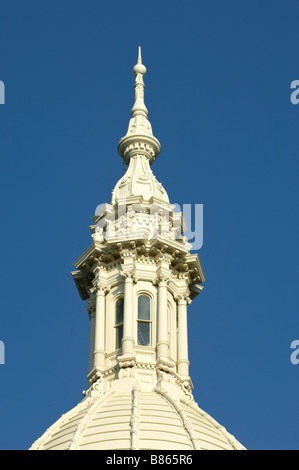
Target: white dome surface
x,y
136,420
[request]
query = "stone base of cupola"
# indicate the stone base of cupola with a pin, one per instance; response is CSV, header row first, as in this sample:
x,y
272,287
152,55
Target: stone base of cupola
x,y
148,377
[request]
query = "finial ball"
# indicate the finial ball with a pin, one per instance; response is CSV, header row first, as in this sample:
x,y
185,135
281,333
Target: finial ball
x,y
139,68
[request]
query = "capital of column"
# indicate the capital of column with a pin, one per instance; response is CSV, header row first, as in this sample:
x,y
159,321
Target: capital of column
x,y
91,304
91,309
129,275
161,280
102,290
182,299
99,287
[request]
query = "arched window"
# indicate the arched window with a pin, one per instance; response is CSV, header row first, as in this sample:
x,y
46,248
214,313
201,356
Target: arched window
x,y
144,321
119,322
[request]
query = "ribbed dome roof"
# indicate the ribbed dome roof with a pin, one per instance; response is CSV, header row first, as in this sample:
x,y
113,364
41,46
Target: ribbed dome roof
x,y
136,420
139,180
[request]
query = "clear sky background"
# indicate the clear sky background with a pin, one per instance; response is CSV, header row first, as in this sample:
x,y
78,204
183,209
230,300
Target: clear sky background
x,y
218,94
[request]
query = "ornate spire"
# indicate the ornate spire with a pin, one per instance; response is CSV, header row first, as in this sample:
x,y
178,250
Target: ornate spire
x,y
139,70
139,139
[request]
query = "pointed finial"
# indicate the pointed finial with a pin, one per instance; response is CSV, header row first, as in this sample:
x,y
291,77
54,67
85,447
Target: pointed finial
x,y
139,137
139,67
139,60
139,70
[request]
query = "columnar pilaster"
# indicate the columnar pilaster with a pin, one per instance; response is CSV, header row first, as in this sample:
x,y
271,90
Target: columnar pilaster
x,y
182,353
162,321
92,317
100,321
128,328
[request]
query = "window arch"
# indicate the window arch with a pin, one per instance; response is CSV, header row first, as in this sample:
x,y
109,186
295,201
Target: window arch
x,y
144,320
119,322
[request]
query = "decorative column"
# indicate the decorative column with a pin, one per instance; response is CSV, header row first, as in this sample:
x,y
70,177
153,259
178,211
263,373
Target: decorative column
x,y
90,307
100,320
182,353
128,336
162,330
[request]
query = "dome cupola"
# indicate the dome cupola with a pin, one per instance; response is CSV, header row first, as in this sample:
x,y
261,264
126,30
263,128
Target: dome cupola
x,y
137,279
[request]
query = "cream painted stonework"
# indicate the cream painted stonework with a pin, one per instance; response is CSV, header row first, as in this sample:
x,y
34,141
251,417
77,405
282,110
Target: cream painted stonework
x,y
138,278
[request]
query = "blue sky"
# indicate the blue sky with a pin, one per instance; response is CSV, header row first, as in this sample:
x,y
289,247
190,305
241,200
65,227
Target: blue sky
x,y
218,94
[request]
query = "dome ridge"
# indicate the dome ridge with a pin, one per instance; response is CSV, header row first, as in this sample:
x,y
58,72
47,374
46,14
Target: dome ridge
x,y
185,421
88,415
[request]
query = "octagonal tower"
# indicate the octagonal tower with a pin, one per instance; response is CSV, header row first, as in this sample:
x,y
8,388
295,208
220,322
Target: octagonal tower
x,y
138,277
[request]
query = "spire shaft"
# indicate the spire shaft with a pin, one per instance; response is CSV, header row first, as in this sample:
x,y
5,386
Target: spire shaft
x,y
140,133
139,60
139,70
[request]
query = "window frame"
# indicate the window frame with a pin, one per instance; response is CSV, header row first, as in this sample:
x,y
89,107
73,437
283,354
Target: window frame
x,y
147,322
119,325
